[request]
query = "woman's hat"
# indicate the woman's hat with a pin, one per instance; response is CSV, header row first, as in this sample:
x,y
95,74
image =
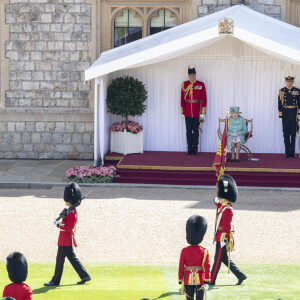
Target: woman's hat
x,y
235,109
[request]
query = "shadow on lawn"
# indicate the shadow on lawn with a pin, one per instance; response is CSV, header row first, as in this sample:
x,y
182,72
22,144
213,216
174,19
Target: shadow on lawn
x,y
167,295
45,289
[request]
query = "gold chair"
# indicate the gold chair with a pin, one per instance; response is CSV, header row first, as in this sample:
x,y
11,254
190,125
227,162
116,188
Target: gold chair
x,y
248,135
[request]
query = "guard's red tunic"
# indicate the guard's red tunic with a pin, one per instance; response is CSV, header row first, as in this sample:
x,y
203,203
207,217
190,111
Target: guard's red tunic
x,y
19,291
193,91
225,222
67,232
192,256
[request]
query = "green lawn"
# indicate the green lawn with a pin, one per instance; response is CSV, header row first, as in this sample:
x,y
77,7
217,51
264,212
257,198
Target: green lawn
x,y
129,281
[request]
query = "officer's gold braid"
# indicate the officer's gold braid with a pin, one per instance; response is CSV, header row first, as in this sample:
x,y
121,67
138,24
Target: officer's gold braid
x,y
281,96
189,88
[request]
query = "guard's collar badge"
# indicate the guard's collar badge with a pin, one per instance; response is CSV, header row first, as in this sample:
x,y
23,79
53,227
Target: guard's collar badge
x,y
226,26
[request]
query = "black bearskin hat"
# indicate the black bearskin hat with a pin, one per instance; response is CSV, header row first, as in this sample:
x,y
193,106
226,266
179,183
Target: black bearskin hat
x,y
191,71
195,229
16,265
72,193
227,188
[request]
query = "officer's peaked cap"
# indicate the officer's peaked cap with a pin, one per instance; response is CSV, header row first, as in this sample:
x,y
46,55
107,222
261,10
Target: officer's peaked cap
x,y
227,188
72,193
16,265
289,78
195,229
191,71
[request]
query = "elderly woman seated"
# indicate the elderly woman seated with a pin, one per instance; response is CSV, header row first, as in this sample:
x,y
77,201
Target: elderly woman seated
x,y
237,129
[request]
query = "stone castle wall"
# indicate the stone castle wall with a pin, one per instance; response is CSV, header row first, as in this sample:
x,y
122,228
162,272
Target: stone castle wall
x,y
47,112
267,7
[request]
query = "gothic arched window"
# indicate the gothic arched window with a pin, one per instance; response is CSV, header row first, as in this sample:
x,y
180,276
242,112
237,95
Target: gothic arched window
x,y
162,20
127,27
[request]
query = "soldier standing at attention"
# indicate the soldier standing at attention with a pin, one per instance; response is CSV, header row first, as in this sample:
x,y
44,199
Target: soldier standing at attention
x,y
194,264
226,195
193,107
289,109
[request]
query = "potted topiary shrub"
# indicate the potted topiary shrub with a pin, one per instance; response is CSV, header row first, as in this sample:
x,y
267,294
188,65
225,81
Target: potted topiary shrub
x,y
126,96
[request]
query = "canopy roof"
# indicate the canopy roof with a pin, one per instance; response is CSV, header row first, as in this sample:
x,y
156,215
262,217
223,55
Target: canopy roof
x,y
270,35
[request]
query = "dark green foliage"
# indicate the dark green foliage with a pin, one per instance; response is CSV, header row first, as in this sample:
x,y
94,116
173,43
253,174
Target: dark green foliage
x,y
126,96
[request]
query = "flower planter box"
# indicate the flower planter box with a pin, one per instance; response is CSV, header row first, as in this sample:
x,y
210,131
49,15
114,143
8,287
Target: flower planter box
x,y
126,142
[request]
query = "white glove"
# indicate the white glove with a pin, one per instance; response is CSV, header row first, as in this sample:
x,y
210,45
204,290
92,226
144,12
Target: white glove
x,y
223,244
206,287
217,200
57,223
202,117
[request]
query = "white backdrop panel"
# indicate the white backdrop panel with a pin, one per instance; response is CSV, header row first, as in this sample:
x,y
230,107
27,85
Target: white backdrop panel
x,y
234,74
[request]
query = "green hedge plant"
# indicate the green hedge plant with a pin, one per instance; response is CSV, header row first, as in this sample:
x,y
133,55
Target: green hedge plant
x,y
126,96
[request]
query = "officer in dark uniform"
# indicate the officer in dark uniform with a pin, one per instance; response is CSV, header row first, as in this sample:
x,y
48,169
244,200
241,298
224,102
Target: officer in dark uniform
x,y
289,109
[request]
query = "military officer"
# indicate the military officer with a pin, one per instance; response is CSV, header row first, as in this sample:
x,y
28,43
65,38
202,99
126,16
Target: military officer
x,y
193,107
289,109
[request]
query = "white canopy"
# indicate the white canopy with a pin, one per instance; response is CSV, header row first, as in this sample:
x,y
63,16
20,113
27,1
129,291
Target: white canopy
x,y
245,69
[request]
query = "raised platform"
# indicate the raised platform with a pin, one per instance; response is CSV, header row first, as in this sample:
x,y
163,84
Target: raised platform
x,y
160,167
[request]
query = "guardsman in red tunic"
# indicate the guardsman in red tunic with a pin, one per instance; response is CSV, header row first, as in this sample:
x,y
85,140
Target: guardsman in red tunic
x,y
67,241
17,269
193,107
227,194
289,110
194,264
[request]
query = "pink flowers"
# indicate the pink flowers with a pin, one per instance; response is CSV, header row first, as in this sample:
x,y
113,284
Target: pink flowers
x,y
133,127
92,174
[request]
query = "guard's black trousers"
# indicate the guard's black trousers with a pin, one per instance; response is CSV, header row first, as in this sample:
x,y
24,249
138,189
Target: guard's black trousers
x,y
62,253
191,289
221,256
192,132
289,128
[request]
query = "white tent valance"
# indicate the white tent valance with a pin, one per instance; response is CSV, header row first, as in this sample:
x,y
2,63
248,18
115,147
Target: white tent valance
x,y
246,69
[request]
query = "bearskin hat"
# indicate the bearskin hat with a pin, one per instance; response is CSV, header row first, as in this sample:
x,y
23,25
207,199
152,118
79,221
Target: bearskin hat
x,y
195,229
191,71
72,193
17,268
227,188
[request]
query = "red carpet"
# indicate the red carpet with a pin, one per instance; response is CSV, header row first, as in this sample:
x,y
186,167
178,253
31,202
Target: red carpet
x,y
271,170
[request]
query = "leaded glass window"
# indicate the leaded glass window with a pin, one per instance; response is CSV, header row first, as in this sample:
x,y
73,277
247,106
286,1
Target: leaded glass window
x,y
127,28
162,20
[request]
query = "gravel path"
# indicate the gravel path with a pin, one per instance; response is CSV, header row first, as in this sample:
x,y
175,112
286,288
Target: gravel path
x,y
147,225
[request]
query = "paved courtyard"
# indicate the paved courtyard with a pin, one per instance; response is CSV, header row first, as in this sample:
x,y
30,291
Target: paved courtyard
x,y
147,225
